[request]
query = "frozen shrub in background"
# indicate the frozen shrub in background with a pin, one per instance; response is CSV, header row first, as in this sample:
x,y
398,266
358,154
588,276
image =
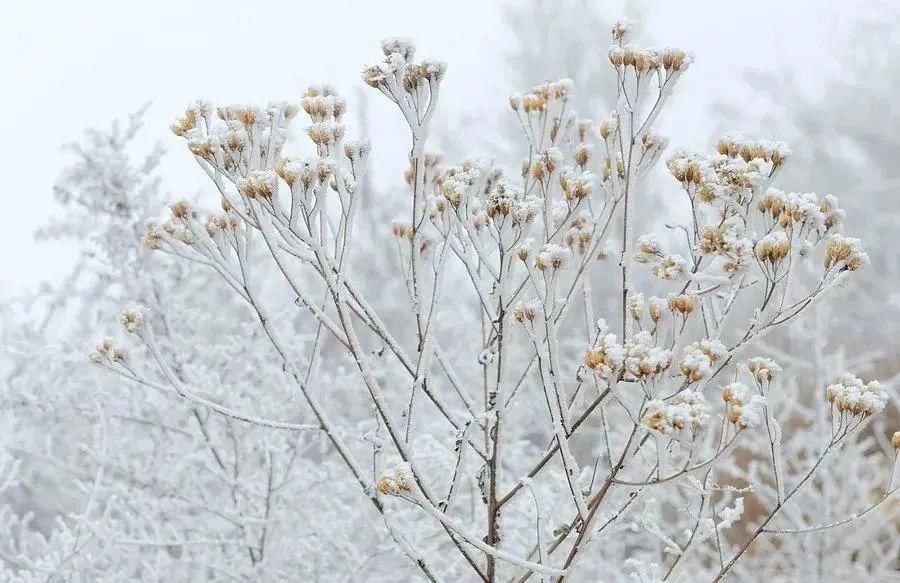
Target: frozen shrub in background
x,y
104,480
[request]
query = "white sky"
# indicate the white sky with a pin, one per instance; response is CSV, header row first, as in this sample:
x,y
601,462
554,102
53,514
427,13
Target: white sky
x,y
66,65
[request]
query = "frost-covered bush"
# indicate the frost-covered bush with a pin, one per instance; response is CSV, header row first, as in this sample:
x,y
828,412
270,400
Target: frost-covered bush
x,y
470,414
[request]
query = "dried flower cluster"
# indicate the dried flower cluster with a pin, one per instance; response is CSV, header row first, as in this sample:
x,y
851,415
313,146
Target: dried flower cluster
x,y
495,393
528,246
852,396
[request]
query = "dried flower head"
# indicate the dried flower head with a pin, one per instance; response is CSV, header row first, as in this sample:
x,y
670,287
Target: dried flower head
x,y
357,150
576,185
132,319
525,311
525,249
833,215
844,253
259,183
546,163
851,395
763,369
684,304
552,257
736,146
189,120
773,247
402,230
323,103
397,482
670,267
181,210
643,359
688,169
743,410
608,126
621,28
579,234
636,305
151,238
655,308
698,358
662,418
648,249
606,357
107,353
695,403
687,409
326,133
206,147
676,60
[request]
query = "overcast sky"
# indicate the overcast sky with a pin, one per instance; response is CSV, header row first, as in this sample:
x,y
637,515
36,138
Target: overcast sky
x,y
67,65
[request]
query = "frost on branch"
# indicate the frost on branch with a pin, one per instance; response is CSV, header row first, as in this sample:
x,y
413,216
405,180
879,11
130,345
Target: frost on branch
x,y
485,422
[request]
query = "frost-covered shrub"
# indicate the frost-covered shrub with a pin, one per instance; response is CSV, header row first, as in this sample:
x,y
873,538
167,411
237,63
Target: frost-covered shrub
x,y
493,425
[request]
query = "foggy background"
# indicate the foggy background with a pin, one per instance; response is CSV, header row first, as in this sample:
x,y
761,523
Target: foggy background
x,y
68,66
822,76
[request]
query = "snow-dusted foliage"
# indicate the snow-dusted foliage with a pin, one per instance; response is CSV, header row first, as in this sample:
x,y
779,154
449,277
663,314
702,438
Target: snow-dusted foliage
x,y
271,408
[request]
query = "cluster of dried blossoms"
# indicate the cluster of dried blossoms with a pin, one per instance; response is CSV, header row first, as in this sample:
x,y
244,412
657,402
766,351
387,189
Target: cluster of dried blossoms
x,y
663,400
